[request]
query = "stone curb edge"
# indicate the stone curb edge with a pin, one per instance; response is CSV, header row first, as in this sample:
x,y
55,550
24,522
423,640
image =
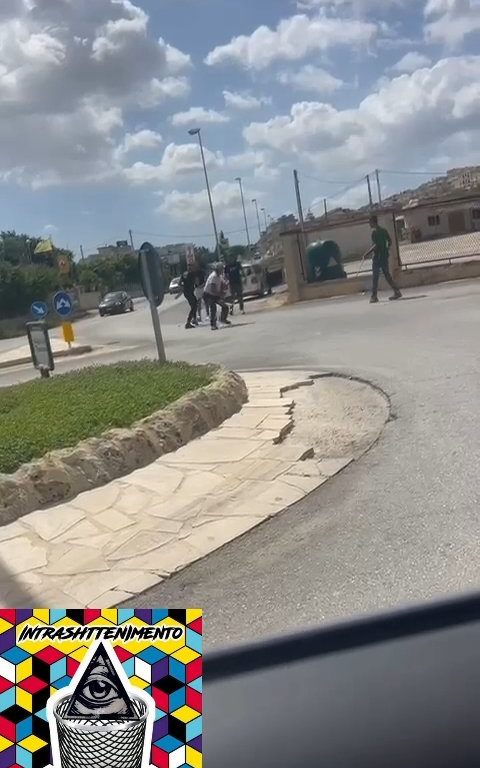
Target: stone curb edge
x,y
82,350
63,474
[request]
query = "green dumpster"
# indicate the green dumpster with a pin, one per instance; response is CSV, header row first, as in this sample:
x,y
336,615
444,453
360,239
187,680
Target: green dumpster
x,y
324,261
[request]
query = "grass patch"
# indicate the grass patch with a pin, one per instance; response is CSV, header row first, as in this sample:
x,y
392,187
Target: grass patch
x,y
43,415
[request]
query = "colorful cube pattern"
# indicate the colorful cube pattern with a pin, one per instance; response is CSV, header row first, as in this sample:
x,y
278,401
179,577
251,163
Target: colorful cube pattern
x,y
170,673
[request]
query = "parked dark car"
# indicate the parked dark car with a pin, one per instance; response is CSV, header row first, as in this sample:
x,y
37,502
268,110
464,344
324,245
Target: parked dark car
x,y
115,304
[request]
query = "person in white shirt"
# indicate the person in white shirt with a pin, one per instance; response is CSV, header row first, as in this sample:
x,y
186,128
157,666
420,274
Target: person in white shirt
x,y
214,293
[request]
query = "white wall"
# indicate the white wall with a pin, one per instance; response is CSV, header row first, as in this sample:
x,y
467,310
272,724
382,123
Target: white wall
x,y
353,239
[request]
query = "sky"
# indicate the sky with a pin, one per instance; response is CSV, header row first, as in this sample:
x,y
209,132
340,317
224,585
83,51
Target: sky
x,y
98,97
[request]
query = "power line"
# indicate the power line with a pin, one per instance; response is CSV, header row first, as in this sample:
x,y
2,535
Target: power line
x,y
323,181
190,235
343,191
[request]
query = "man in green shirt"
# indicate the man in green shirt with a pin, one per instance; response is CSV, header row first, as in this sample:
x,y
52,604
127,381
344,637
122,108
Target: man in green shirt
x,y
381,252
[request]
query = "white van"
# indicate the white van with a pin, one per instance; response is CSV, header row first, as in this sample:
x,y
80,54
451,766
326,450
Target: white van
x,y
255,280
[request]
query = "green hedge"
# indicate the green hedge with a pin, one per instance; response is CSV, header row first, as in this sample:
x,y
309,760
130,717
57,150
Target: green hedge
x,y
20,286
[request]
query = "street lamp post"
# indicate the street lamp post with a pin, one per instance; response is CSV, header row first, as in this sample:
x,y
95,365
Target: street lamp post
x,y
197,132
244,211
265,217
258,218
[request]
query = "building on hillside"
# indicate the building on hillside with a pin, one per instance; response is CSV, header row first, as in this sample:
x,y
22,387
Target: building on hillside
x,y
464,178
121,248
430,219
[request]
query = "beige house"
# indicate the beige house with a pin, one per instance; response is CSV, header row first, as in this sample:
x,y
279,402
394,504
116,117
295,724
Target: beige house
x,y
438,218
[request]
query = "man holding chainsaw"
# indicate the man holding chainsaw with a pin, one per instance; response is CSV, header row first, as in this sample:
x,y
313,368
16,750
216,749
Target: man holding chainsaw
x,y
380,262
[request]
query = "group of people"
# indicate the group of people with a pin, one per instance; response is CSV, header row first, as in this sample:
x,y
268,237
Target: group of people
x,y
212,292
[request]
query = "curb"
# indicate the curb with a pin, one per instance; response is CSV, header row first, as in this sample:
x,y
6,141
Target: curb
x,y
63,474
81,350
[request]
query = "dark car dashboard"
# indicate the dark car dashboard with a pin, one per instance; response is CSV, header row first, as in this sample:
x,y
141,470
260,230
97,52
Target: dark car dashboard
x,y
400,690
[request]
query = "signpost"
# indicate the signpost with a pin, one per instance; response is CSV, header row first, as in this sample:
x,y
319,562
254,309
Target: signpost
x,y
63,304
40,348
39,310
153,284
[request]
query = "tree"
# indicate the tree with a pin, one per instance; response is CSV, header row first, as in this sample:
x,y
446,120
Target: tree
x,y
18,248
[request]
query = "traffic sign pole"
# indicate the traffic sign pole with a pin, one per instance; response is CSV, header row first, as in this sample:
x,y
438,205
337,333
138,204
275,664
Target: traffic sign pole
x,y
153,308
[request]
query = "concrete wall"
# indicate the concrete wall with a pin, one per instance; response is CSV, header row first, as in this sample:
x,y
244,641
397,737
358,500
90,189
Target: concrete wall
x,y
352,239
428,275
89,300
354,235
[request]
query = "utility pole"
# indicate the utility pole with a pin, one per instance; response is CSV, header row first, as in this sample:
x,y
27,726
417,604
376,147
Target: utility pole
x,y
370,198
300,208
81,253
325,207
379,188
131,239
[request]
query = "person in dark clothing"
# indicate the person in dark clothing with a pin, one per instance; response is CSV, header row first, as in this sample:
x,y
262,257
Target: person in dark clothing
x,y
187,283
380,262
235,274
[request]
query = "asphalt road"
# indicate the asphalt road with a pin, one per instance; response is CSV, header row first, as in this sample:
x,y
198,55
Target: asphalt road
x,y
401,524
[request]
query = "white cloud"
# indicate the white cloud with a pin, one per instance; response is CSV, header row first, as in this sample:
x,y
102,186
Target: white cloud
x,y
198,115
311,78
455,20
194,206
292,40
178,160
411,61
145,139
157,91
408,122
177,61
70,72
51,229
244,101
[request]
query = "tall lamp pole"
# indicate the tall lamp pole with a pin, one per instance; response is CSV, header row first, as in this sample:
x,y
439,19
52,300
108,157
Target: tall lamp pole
x,y
244,211
265,217
197,132
258,218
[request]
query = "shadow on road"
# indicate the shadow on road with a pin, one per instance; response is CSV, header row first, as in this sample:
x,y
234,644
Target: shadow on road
x,y
12,594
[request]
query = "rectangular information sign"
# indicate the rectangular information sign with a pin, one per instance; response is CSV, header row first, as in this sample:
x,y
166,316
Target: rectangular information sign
x,y
40,347
99,688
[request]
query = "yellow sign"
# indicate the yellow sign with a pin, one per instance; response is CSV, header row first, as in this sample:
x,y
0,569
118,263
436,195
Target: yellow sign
x,y
68,334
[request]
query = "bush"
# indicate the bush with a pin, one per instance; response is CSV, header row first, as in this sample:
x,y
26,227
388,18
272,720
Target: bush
x,y
20,286
43,415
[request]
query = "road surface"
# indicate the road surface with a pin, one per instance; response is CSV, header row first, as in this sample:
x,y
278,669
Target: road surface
x,y
402,524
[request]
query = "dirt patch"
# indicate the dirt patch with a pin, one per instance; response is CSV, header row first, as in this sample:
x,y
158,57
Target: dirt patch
x,y
338,417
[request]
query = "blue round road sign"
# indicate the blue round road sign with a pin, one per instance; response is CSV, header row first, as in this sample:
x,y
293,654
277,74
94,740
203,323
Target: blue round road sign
x,y
39,309
62,304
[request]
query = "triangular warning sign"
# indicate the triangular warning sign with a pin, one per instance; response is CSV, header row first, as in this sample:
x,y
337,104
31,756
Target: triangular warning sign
x,y
100,693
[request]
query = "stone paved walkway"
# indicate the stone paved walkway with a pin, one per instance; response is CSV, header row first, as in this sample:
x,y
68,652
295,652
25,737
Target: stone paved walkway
x,y
114,542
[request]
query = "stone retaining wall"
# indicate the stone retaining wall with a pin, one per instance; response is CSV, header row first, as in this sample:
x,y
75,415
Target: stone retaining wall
x,y
63,474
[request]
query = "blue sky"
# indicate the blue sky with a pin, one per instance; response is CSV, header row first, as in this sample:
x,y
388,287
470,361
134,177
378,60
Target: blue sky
x,y
96,100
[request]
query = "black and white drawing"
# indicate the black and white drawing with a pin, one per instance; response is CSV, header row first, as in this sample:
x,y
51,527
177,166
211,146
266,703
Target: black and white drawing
x,y
100,720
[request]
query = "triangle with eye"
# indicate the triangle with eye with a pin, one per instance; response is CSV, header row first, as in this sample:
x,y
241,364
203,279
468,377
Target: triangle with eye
x,y
100,693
